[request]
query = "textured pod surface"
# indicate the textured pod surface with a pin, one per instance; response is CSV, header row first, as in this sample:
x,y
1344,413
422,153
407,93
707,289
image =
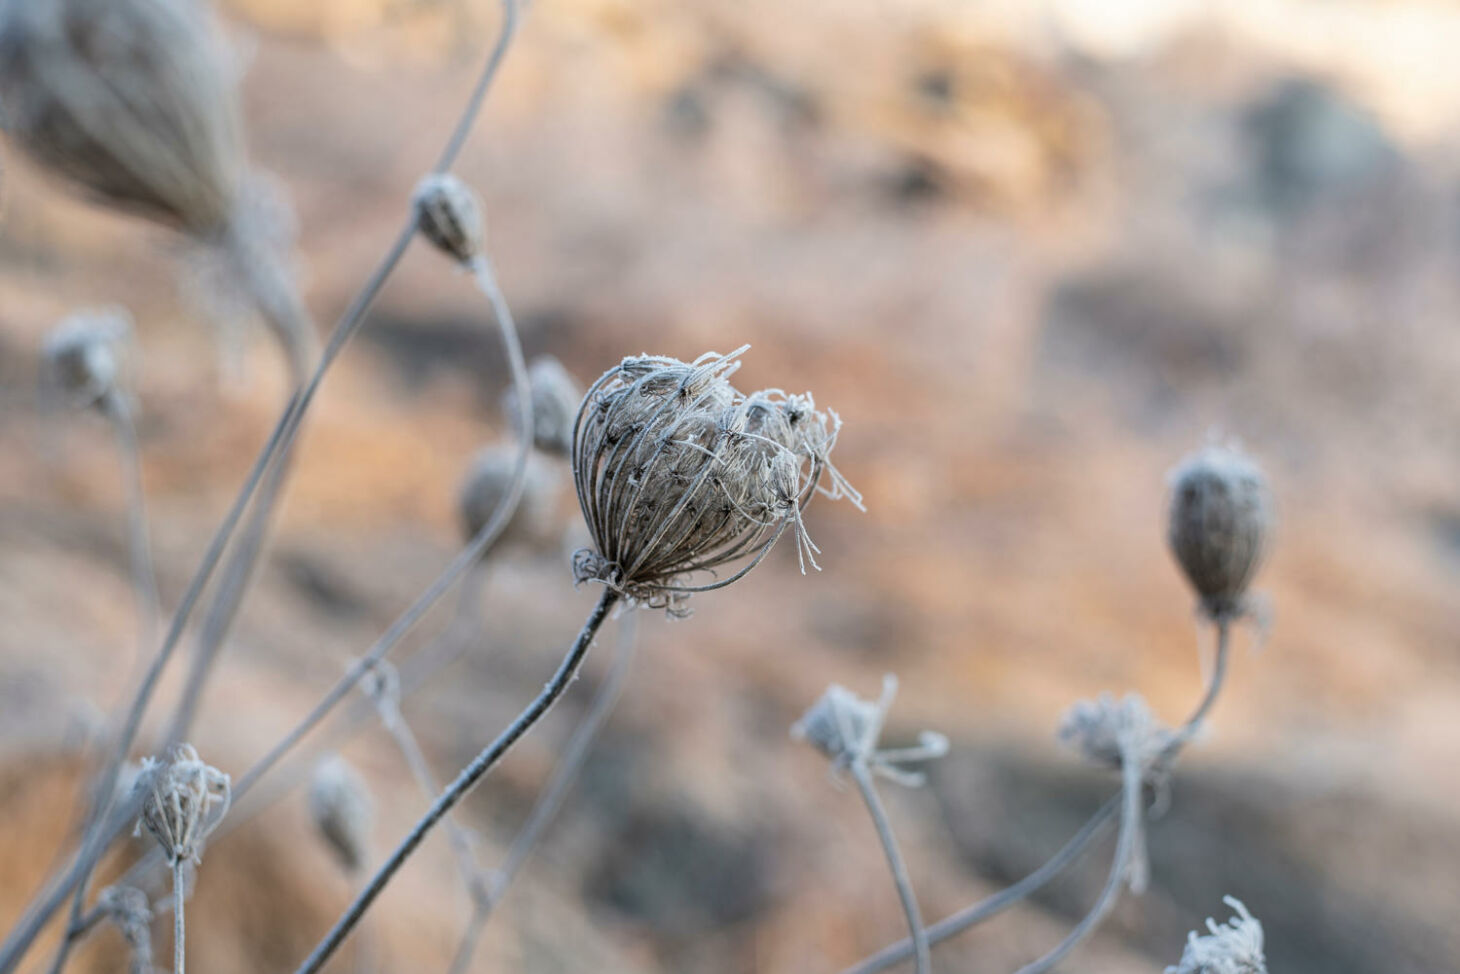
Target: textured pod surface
x,y
555,399
340,806
129,99
450,216
677,472
1220,521
534,523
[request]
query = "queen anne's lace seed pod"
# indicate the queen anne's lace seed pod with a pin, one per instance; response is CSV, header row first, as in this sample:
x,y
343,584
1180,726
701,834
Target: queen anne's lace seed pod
x,y
449,215
555,399
534,523
1220,518
129,99
184,802
83,355
1234,947
340,805
677,473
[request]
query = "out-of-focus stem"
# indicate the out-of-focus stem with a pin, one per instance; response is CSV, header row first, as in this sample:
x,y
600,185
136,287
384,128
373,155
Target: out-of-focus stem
x,y
895,863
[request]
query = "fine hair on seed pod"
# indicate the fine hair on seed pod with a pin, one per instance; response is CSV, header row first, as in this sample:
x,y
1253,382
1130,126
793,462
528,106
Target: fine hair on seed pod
x,y
555,399
677,473
534,524
449,215
342,811
1219,525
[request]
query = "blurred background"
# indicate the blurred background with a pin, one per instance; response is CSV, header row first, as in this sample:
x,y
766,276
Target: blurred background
x,y
1031,252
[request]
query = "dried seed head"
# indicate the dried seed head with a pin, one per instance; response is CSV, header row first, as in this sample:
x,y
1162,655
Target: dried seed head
x,y
534,524
83,355
1234,947
1109,732
846,728
450,216
1220,518
342,810
677,472
130,100
555,399
128,909
184,802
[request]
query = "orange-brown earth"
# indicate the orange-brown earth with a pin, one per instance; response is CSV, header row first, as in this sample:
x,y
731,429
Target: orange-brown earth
x,y
1029,269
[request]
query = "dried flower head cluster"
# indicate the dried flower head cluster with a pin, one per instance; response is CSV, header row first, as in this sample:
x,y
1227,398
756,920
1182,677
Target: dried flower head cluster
x,y
1234,947
129,910
1220,519
846,729
340,806
677,472
555,399
83,356
1110,733
449,215
184,802
534,524
128,99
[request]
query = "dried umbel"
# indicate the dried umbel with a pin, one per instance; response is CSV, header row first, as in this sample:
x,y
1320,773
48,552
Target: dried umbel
x,y
83,355
129,99
846,729
677,472
129,910
450,216
1220,519
534,523
184,802
555,399
340,805
1234,947
1110,732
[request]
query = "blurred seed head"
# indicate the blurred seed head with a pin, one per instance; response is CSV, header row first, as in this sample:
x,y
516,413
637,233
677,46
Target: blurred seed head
x,y
555,399
185,800
677,472
129,910
340,805
1234,947
846,729
1221,516
130,100
534,524
83,354
449,215
1109,732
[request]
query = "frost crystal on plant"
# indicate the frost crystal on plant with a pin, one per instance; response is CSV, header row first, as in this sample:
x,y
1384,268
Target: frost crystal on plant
x,y
846,728
678,472
185,801
1234,947
1220,518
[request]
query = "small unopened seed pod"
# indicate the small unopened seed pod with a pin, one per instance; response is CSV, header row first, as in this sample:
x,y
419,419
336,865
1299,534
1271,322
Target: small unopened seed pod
x,y
534,524
1220,518
449,215
185,800
340,805
677,473
83,355
129,99
555,399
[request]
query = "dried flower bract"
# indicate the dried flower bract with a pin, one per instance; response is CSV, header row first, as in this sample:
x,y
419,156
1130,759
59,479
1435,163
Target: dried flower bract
x,y
130,100
1220,519
185,801
1234,947
677,473
340,805
450,216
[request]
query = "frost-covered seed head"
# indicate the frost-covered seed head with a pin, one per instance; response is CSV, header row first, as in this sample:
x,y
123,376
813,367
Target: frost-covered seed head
x,y
185,800
449,215
555,399
534,524
1106,731
129,910
1220,519
677,473
83,355
1234,947
131,100
340,805
841,725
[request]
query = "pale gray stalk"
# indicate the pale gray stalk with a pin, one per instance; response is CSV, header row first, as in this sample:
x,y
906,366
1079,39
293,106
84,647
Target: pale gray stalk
x,y
863,776
179,949
550,801
464,782
139,545
104,826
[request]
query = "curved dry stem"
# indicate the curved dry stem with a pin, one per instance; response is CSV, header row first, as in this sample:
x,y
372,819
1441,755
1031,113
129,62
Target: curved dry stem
x,y
895,862
465,781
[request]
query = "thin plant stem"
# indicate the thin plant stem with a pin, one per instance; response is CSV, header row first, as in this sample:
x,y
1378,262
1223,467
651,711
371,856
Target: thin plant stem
x,y
102,828
863,776
179,950
550,802
465,781
139,544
